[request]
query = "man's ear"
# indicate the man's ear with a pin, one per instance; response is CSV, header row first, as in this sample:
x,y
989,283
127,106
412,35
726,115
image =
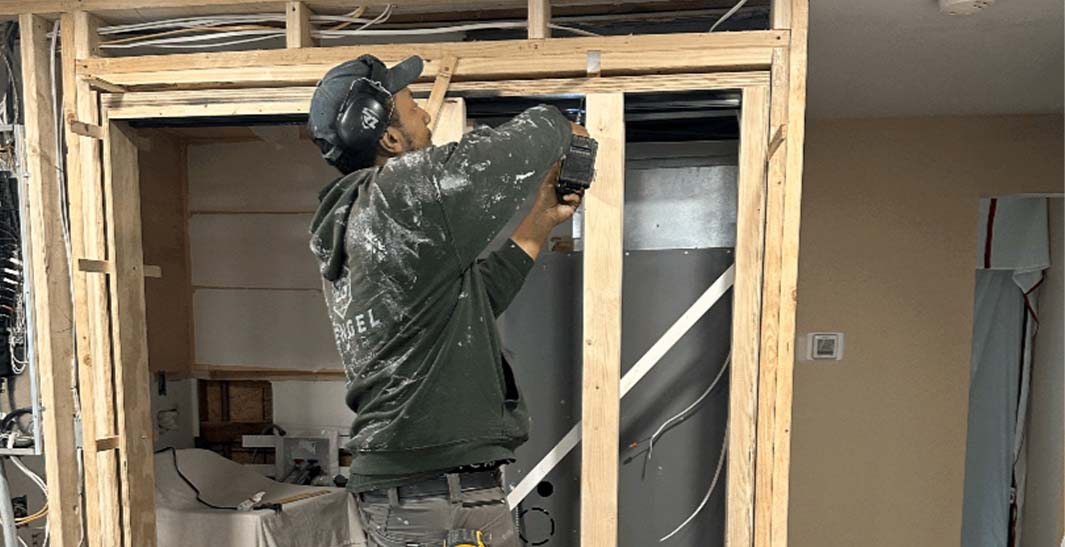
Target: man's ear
x,y
392,142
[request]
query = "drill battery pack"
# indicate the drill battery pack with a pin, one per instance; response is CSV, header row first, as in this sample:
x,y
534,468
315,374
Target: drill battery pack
x,y
578,166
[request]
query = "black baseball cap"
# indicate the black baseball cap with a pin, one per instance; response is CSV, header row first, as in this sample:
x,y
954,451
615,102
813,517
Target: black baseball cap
x,y
333,88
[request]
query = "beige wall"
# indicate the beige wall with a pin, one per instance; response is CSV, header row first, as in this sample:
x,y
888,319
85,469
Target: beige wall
x,y
887,257
1046,421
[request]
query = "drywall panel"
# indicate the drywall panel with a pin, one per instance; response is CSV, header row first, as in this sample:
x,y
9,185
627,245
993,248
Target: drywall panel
x,y
1046,419
263,328
889,206
252,250
541,336
300,404
256,176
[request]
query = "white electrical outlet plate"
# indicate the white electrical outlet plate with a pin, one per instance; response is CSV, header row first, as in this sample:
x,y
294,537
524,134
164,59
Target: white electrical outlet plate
x,y
824,346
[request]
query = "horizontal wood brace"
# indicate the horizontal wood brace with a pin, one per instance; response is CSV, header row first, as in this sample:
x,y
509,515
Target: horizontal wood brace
x,y
296,100
107,443
85,129
90,265
486,60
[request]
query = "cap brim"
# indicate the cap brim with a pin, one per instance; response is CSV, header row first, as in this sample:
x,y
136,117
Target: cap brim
x,y
403,74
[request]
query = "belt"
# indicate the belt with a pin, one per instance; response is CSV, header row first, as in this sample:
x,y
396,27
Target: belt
x,y
438,486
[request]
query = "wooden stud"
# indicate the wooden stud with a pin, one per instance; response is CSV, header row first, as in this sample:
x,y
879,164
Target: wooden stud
x,y
789,268
295,100
439,91
746,318
603,216
539,19
129,336
95,372
298,26
52,302
769,363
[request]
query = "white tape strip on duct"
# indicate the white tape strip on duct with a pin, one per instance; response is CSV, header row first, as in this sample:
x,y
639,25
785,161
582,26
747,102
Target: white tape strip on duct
x,y
631,378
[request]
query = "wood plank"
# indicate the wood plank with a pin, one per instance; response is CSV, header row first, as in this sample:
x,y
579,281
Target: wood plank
x,y
95,371
789,270
491,60
746,318
440,85
539,19
107,443
89,265
769,362
84,129
125,10
298,26
130,337
603,217
296,100
52,299
452,124
70,40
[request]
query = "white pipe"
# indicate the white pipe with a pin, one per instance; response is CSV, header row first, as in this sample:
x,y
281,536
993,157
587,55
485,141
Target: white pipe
x,y
7,513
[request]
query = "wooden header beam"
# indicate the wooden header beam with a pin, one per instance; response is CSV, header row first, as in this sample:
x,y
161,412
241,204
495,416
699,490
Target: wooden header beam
x,y
491,60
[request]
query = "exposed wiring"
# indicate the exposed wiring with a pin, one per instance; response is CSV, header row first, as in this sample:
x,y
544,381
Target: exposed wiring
x,y
352,18
36,516
727,14
683,413
577,31
706,498
223,31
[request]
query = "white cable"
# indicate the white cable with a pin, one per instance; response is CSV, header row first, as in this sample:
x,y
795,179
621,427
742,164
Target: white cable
x,y
706,498
574,30
420,31
163,42
34,477
728,14
682,413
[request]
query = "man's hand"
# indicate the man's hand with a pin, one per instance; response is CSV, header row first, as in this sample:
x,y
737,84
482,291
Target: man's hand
x,y
547,212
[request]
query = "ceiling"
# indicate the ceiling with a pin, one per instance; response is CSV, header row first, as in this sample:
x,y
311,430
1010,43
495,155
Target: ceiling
x,y
905,58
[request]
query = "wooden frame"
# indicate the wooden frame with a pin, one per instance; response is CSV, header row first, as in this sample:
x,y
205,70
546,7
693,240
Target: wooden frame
x,y
768,66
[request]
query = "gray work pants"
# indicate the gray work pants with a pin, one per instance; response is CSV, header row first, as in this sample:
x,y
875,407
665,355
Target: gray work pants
x,y
425,521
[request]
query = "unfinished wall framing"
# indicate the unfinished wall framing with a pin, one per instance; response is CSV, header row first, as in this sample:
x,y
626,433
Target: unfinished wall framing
x,y
102,94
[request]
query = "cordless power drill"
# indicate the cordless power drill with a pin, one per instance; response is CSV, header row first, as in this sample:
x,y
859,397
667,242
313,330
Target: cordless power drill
x,y
578,167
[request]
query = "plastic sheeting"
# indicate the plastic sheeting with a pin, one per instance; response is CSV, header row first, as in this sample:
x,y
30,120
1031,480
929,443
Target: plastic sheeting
x,y
1013,250
328,520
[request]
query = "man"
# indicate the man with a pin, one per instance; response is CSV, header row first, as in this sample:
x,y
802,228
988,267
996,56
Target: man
x,y
413,309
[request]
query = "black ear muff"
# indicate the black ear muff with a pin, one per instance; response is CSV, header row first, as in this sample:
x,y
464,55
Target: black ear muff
x,y
362,119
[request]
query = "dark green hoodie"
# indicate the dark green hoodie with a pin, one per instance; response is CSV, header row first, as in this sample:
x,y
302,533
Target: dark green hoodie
x,y
413,309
